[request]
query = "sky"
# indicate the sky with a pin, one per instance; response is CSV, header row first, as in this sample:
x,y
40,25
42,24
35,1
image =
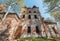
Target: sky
x,y
42,8
41,5
38,3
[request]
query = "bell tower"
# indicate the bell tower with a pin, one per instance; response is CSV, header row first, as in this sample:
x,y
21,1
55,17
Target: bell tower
x,y
30,21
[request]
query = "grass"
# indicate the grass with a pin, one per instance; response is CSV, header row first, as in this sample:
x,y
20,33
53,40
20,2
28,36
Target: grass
x,y
37,39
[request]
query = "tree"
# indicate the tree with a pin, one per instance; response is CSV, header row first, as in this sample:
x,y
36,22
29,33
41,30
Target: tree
x,y
54,8
56,14
11,3
52,4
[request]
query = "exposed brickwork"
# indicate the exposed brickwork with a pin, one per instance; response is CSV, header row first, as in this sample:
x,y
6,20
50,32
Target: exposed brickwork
x,y
29,23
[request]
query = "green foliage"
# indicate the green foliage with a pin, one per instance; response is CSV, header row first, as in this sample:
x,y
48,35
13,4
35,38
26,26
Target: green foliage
x,y
8,2
18,2
56,14
37,39
16,7
52,3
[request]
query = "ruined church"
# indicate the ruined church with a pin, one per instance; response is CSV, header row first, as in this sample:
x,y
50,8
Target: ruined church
x,y
29,23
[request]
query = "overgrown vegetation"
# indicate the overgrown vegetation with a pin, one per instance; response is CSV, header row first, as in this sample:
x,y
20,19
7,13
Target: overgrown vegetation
x,y
54,8
37,39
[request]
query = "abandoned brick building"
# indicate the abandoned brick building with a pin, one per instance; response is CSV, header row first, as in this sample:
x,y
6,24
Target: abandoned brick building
x,y
33,24
29,23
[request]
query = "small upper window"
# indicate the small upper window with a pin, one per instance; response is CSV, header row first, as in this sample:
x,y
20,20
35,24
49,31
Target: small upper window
x,y
23,16
35,16
23,11
29,16
29,29
34,11
29,11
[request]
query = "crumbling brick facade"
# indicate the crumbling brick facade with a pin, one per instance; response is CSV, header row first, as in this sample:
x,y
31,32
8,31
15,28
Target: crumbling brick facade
x,y
28,23
31,22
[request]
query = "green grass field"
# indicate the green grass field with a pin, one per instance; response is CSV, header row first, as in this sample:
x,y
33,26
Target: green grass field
x,y
37,39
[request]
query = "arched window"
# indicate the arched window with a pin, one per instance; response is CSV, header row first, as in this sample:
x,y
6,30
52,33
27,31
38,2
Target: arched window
x,y
29,11
23,16
34,12
29,29
35,16
29,17
37,29
23,11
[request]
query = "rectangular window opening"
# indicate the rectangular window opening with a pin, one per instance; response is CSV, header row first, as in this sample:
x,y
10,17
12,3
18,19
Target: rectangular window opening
x,y
29,29
23,16
54,30
35,16
37,29
29,16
